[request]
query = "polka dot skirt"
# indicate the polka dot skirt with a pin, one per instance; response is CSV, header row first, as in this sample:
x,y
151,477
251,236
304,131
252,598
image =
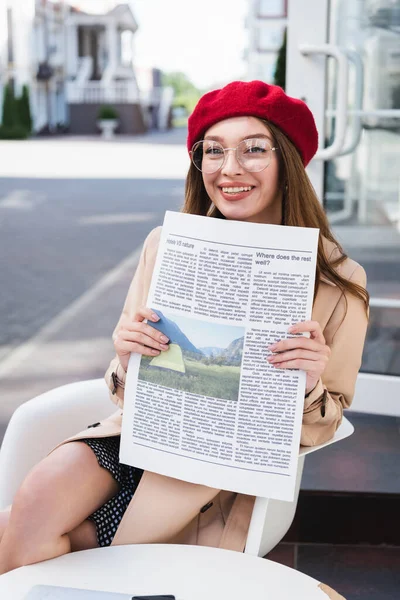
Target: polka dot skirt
x,y
108,517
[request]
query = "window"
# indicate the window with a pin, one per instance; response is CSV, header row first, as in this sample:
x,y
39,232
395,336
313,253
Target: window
x,y
272,9
270,37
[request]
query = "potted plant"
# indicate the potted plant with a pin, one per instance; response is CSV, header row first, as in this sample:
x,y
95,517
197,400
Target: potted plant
x,y
107,121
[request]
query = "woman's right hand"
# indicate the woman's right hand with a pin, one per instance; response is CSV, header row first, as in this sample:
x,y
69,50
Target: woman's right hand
x,y
136,336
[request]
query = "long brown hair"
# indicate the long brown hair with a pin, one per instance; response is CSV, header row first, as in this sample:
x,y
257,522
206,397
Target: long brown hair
x,y
300,208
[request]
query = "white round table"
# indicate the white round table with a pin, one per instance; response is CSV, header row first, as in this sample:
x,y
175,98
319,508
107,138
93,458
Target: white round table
x,y
188,572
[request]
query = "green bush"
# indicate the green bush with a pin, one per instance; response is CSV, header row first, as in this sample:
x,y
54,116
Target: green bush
x,y
16,116
16,132
107,112
10,111
24,111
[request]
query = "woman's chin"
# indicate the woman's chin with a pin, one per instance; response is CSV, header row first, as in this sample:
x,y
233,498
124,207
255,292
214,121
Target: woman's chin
x,y
233,212
252,212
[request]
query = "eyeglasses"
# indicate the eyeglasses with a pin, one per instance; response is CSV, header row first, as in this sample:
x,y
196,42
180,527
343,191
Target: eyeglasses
x,y
254,155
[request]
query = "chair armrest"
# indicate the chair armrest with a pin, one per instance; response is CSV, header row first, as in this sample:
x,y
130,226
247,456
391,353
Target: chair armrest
x,y
344,430
43,422
271,519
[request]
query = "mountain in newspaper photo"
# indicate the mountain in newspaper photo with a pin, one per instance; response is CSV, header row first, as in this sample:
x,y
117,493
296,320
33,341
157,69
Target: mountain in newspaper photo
x,y
203,358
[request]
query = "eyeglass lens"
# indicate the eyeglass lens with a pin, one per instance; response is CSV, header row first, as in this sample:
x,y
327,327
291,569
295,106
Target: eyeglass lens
x,y
253,154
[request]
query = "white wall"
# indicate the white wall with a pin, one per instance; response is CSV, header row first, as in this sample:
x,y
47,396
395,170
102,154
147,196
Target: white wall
x,y
3,50
265,37
23,15
22,19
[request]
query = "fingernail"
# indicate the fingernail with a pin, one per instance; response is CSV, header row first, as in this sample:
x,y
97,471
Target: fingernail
x,y
273,347
271,358
164,346
155,317
153,351
292,329
164,338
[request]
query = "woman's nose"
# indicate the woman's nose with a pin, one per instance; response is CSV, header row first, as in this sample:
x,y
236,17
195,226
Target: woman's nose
x,y
232,165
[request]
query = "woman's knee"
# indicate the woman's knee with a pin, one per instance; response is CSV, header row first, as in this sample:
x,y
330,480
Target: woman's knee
x,y
33,498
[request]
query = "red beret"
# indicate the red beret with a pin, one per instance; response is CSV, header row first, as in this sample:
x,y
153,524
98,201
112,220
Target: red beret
x,y
257,99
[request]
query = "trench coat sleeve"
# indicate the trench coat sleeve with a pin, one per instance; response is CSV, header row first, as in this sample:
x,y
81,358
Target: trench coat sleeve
x,y
345,334
137,296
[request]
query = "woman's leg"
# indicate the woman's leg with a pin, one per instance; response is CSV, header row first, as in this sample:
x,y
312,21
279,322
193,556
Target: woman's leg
x,y
56,498
82,537
4,516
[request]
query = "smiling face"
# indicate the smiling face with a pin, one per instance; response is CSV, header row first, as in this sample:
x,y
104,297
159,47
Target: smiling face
x,y
239,194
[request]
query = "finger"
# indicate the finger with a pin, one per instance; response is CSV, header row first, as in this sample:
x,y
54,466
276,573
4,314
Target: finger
x,y
145,313
310,366
297,342
136,348
293,354
313,327
139,337
140,327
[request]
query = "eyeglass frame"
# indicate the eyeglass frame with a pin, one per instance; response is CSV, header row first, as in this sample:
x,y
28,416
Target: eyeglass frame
x,y
273,149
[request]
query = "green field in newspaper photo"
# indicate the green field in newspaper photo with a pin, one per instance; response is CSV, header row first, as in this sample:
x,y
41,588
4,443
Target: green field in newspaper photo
x,y
203,358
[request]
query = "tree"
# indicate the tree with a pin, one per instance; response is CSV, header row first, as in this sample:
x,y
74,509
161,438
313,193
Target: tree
x,y
180,83
24,110
186,94
10,115
280,69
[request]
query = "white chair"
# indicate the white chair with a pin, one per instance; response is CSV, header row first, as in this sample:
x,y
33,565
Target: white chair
x,y
41,423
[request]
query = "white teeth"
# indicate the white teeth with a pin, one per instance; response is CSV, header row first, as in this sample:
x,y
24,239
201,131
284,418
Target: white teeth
x,y
235,190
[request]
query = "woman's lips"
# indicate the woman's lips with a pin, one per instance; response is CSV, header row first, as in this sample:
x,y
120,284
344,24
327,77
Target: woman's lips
x,y
235,195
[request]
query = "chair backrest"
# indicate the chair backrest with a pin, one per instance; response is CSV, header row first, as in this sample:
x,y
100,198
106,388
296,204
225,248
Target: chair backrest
x,y
40,424
271,519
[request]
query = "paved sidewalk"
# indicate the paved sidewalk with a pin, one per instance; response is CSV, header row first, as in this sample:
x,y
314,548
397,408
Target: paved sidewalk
x,y
153,156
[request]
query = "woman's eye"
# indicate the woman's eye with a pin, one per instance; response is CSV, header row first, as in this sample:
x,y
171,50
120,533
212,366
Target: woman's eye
x,y
255,149
213,151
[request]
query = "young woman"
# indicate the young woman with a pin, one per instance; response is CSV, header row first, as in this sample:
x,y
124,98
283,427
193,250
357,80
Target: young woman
x,y
249,144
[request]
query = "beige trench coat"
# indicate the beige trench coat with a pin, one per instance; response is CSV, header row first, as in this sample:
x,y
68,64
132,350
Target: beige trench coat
x,y
168,510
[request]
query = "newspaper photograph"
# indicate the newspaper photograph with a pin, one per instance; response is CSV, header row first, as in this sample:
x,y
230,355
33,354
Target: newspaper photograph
x,y
211,409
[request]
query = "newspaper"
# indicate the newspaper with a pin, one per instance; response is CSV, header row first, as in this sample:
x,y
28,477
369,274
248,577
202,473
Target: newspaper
x,y
211,409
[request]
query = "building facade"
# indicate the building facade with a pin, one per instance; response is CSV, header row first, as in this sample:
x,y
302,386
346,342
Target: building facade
x,y
266,24
76,57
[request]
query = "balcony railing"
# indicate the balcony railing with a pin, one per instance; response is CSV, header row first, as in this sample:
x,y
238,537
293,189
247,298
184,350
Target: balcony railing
x,y
124,92
92,92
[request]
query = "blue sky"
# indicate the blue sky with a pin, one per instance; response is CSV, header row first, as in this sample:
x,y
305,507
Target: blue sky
x,y
203,39
203,334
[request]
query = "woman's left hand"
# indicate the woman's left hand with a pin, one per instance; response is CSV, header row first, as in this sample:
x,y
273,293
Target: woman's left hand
x,y
309,354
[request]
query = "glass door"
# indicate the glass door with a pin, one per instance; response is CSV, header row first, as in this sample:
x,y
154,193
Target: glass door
x,y
343,59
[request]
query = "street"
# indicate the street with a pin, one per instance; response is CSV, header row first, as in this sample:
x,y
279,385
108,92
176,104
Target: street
x,y
69,245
